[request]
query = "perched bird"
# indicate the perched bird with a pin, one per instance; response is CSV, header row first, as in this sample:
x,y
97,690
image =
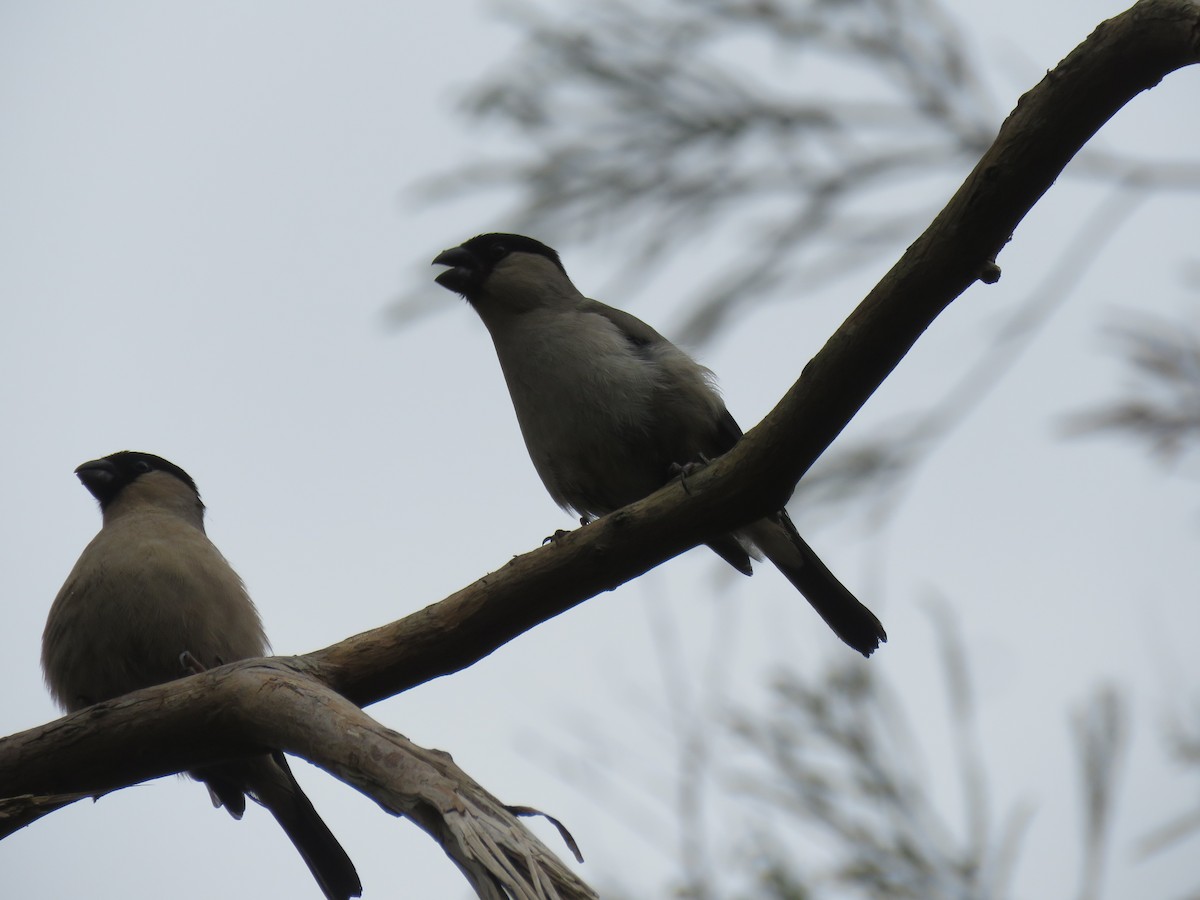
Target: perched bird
x,y
151,600
610,409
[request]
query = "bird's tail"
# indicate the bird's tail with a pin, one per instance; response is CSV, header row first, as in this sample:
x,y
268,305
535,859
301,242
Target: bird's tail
x,y
779,541
269,780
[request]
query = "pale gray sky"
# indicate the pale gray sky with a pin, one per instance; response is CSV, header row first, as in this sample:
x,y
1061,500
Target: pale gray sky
x,y
204,215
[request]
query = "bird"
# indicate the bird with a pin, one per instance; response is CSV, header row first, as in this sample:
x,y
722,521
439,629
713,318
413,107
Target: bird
x,y
611,410
151,599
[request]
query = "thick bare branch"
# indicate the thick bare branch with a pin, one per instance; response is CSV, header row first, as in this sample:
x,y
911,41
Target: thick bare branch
x,y
244,707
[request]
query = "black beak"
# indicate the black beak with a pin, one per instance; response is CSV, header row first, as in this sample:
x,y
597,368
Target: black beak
x,y
464,273
98,476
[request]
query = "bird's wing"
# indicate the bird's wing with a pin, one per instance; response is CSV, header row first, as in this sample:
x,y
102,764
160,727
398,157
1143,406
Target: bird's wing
x,y
720,440
635,330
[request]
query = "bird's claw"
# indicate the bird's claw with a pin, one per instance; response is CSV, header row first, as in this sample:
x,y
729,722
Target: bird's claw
x,y
556,537
560,533
682,471
190,664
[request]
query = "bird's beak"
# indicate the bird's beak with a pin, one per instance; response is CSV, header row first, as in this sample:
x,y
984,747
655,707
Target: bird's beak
x,y
464,270
96,476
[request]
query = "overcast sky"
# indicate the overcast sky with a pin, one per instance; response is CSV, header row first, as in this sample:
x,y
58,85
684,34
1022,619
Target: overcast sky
x,y
206,210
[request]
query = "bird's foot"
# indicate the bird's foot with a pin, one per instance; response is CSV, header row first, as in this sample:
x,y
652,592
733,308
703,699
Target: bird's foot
x,y
560,533
682,471
191,665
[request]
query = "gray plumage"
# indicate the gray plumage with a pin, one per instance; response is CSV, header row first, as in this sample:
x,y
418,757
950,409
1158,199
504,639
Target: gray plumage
x,y
609,408
149,588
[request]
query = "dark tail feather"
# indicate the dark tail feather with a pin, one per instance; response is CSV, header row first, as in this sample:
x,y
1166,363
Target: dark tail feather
x,y
850,620
326,859
270,781
730,549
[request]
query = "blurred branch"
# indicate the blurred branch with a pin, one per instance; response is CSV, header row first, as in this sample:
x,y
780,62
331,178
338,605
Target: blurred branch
x,y
960,696
777,132
884,467
839,758
1099,729
637,120
691,707
1185,740
1161,408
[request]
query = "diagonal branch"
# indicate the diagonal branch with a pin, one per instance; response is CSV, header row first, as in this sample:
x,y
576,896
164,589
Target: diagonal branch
x,y
1122,57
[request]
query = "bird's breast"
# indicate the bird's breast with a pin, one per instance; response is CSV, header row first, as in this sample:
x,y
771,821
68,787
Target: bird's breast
x,y
586,402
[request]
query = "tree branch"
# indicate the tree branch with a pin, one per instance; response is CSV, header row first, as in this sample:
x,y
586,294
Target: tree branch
x,y
1122,57
242,708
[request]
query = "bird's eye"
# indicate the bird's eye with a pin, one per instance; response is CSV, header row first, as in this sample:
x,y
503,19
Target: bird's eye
x,y
497,252
141,467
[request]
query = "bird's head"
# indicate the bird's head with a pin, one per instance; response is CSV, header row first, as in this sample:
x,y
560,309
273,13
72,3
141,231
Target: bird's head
x,y
156,479
509,270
